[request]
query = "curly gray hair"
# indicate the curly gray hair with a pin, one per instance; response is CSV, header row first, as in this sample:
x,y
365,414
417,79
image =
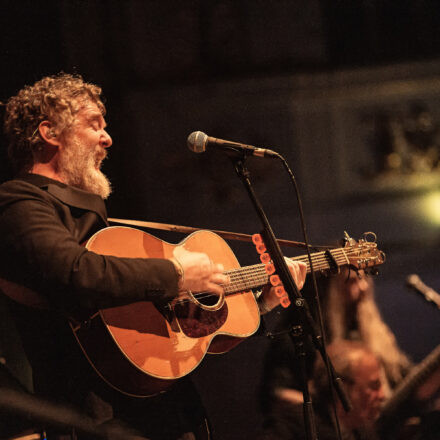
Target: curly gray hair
x,y
54,98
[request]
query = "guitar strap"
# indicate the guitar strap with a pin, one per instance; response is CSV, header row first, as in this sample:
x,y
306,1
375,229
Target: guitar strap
x,y
23,295
188,230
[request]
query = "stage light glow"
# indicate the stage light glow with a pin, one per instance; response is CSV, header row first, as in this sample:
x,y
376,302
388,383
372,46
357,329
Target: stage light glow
x,y
432,207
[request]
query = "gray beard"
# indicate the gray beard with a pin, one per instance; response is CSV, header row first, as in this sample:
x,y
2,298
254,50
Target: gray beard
x,y
77,166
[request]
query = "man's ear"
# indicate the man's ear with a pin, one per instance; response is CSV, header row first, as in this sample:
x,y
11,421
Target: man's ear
x,y
48,134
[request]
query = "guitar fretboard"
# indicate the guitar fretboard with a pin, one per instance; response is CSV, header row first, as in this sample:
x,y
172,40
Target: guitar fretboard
x,y
251,277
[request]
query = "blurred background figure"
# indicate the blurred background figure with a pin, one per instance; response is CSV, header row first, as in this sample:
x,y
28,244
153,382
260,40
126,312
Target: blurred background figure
x,y
353,326
349,312
361,371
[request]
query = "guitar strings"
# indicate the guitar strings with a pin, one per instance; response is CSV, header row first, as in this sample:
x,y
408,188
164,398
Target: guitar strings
x,y
247,278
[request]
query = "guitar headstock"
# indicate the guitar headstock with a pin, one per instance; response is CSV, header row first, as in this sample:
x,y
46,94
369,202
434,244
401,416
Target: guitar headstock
x,y
363,254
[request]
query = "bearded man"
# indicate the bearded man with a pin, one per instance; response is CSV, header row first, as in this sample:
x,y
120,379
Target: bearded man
x,y
57,142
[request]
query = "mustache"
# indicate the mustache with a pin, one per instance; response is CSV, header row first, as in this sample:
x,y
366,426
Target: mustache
x,y
100,155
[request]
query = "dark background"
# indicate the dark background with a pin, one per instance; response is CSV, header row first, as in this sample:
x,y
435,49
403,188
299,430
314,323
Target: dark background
x,y
310,79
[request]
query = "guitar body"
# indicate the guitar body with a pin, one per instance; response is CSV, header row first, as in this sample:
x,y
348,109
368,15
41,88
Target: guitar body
x,y
140,349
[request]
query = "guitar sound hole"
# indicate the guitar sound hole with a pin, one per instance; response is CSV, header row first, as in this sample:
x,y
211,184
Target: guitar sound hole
x,y
207,300
196,322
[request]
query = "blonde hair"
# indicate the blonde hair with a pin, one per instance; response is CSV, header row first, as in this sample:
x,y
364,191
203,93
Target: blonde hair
x,y
55,99
371,328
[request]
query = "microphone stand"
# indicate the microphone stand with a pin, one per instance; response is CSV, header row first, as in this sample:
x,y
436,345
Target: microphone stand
x,y
302,313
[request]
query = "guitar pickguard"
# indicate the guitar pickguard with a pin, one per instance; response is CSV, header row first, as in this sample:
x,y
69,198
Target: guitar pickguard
x,y
196,322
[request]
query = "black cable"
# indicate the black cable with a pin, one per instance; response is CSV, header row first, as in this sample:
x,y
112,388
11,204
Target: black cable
x,y
315,288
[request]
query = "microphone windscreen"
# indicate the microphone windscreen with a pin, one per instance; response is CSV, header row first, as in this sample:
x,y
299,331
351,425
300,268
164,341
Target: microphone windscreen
x,y
413,280
197,141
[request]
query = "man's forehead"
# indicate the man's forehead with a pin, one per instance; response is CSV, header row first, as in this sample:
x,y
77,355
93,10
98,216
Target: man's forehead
x,y
87,107
367,368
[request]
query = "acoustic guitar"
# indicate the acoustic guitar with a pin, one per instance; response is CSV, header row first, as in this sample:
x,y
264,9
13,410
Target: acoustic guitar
x,y
141,348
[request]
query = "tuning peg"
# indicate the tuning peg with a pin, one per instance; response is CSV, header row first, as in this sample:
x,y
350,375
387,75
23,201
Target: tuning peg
x,y
370,237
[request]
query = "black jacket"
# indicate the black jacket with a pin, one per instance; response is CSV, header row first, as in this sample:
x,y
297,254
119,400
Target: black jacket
x,y
43,224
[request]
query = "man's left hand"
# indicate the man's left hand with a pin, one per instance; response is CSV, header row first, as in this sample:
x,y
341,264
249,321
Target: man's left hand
x,y
269,300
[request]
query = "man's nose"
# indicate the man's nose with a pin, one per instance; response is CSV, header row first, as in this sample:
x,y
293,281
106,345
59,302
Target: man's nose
x,y
106,140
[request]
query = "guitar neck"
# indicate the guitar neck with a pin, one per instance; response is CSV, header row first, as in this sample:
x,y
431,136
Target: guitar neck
x,y
416,377
252,277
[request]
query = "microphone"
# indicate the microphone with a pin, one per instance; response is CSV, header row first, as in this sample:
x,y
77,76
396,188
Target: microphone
x,y
198,142
413,281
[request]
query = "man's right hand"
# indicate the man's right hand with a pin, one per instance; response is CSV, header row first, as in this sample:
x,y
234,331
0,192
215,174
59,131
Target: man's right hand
x,y
200,274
